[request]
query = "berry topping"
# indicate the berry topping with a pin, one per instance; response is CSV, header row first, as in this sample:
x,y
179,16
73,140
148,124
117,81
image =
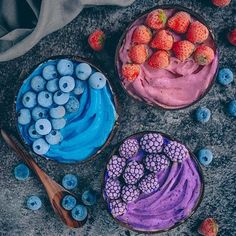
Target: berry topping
x,y
34,203
66,83
208,227
221,3
130,71
232,37
49,72
156,162
197,32
138,53
149,184
151,142
68,202
117,207
225,76
232,108
205,156
133,172
33,133
116,166
45,99
21,172
52,85
54,137
162,40
83,71
24,116
97,80
202,114
96,40
89,197
39,113
130,193
57,112
142,35
179,22
38,83
129,148
79,213
156,19
40,146
203,55
79,87
61,98
69,181
58,123
159,59
29,99
113,188
72,105
183,49
43,126
65,67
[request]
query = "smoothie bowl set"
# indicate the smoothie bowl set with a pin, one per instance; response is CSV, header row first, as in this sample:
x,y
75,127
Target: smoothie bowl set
x,y
67,110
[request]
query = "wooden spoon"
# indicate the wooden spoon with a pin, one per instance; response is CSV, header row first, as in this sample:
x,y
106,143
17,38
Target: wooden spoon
x,y
55,191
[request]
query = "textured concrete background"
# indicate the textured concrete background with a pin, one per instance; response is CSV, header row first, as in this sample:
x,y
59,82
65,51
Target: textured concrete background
x,y
219,133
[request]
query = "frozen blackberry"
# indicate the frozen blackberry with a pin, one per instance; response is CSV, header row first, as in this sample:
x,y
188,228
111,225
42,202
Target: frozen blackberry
x,y
151,143
133,172
117,207
156,162
149,184
113,188
116,166
176,151
130,193
129,148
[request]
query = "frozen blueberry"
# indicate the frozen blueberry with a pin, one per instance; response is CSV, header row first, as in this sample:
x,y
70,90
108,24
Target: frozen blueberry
x,y
66,84
45,99
38,83
69,181
58,123
52,85
83,71
225,76
72,105
79,212
39,113
34,203
21,172
68,202
40,146
205,156
49,72
79,87
232,108
54,137
89,198
65,67
29,99
202,114
33,133
61,98
57,112
43,126
97,80
24,116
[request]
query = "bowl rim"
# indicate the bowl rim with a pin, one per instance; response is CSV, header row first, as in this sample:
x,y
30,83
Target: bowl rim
x,y
199,169
24,75
178,8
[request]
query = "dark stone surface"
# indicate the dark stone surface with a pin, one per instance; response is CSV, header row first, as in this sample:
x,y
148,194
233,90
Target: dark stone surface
x,y
218,134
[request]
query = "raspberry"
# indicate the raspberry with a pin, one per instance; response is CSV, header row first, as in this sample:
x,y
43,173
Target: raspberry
x,y
162,40
208,227
149,184
115,166
113,188
221,3
130,193
151,142
130,71
197,32
138,53
96,40
129,148
117,207
203,55
142,35
183,49
232,37
159,59
156,19
133,172
156,162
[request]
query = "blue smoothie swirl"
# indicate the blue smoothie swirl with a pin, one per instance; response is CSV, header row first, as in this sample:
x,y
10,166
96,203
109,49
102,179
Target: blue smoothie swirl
x,y
86,130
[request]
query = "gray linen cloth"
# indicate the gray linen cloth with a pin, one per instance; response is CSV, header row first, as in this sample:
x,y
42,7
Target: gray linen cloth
x,y
24,22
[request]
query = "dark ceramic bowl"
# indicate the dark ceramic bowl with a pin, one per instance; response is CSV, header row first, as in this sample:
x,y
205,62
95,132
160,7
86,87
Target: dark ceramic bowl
x,y
25,74
120,43
198,168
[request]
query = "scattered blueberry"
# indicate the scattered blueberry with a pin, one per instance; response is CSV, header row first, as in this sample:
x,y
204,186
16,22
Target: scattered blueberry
x,y
69,181
34,203
29,99
72,105
52,85
232,108
65,67
205,156
225,76
66,84
203,114
40,146
49,72
21,172
79,212
43,126
24,116
97,80
57,112
58,123
33,133
39,113
89,198
83,71
79,87
61,98
45,99
38,83
68,202
54,137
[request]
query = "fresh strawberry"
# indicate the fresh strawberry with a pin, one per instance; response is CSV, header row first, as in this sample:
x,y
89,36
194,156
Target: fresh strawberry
x,y
203,55
156,19
179,22
162,40
142,35
232,37
96,40
208,227
130,71
159,59
183,49
221,3
138,53
197,32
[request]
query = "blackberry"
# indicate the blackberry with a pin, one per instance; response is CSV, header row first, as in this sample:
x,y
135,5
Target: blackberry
x,y
151,143
117,207
130,193
116,166
129,148
149,184
113,188
133,172
156,162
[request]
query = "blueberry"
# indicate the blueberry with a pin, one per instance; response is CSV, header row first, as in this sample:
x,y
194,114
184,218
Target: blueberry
x,y
24,116
232,108
89,198
225,76
66,84
29,99
34,203
68,202
72,105
33,133
38,83
40,146
65,67
21,172
39,113
49,72
54,137
45,99
57,112
202,114
43,126
79,87
205,156
69,181
58,123
97,80
61,98
83,71
52,85
79,212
